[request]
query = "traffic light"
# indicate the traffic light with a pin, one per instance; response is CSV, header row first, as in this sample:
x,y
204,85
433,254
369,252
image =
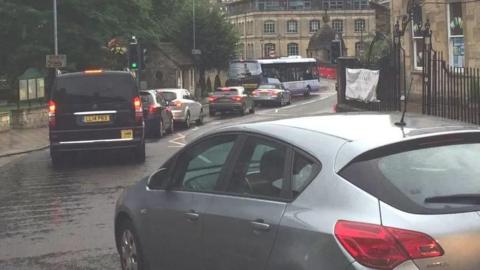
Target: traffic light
x,y
143,58
336,50
134,56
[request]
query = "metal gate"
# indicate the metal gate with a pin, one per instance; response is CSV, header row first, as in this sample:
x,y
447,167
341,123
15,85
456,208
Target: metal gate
x,y
448,91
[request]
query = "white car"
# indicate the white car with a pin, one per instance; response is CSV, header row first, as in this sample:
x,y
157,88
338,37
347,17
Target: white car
x,y
184,107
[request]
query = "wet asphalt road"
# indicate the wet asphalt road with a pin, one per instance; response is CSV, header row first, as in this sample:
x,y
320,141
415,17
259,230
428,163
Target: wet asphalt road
x,y
63,218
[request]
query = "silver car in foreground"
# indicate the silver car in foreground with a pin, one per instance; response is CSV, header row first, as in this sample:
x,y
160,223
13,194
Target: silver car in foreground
x,y
349,191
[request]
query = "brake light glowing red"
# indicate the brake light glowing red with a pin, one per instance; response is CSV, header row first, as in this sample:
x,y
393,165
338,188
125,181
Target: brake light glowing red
x,y
237,98
52,109
255,93
212,99
137,104
152,109
383,247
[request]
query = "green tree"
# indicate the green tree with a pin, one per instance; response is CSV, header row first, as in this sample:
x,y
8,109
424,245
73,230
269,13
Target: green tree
x,y
217,83
84,28
215,37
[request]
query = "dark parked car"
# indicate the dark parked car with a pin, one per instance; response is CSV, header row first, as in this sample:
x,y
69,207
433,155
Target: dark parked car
x,y
157,114
95,110
272,94
351,191
231,99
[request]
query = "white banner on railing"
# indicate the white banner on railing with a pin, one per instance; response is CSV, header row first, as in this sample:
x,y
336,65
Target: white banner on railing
x,y
362,84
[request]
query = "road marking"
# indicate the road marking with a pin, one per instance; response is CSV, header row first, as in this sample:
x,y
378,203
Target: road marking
x,y
179,141
311,101
195,128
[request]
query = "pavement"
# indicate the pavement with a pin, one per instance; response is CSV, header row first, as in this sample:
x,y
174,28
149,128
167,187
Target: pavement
x,y
21,141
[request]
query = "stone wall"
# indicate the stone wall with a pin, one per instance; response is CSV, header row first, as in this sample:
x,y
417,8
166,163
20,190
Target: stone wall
x,y
4,121
437,14
161,72
29,118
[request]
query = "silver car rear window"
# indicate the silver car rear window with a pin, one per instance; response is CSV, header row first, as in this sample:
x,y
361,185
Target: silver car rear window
x,y
423,179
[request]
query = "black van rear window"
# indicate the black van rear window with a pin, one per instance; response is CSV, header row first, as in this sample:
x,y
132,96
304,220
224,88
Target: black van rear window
x,y
95,88
428,180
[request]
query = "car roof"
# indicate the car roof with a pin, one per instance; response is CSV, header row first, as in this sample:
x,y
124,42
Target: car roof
x,y
176,90
103,72
239,88
356,133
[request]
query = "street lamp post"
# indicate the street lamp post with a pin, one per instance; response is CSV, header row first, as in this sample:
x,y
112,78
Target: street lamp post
x,y
55,26
55,34
194,26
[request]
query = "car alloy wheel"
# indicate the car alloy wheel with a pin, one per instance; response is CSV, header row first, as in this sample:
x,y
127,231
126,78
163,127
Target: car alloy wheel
x,y
161,129
187,120
307,92
128,249
200,119
171,129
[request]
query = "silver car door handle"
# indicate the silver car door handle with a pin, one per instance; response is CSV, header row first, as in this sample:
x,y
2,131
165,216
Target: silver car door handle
x,y
259,225
192,216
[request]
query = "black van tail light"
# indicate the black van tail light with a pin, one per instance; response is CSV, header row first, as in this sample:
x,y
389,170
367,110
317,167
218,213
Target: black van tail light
x,y
52,110
137,104
383,247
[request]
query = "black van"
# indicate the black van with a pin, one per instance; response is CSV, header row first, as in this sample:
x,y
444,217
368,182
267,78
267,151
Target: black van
x,y
95,110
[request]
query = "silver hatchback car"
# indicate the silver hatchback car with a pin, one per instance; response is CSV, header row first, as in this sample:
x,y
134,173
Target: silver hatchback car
x,y
347,192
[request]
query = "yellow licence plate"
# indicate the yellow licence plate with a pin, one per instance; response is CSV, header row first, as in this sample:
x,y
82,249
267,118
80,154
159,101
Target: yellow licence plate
x,y
96,118
127,134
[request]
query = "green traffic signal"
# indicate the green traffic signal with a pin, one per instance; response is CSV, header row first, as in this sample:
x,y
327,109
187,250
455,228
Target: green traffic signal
x,y
134,65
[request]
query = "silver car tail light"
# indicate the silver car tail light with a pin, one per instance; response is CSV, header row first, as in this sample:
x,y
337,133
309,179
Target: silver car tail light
x,y
382,247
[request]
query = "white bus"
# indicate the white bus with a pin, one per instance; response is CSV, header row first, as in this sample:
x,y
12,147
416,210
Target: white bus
x,y
298,75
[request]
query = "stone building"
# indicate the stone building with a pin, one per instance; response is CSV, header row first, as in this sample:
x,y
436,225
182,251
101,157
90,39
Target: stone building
x,y
168,67
455,29
277,28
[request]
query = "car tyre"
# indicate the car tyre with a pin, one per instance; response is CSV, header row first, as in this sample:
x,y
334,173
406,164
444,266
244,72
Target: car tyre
x,y
243,109
131,255
161,129
58,159
187,121
139,153
289,100
200,119
307,91
252,109
212,113
171,129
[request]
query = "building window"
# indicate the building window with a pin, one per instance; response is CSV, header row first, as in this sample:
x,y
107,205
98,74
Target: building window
x,y
269,50
292,26
250,51
359,25
337,26
359,49
250,28
269,27
314,26
456,36
335,4
292,49
360,4
417,37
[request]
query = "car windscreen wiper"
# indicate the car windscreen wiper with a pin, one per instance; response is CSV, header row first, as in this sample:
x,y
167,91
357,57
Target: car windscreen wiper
x,y
455,199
